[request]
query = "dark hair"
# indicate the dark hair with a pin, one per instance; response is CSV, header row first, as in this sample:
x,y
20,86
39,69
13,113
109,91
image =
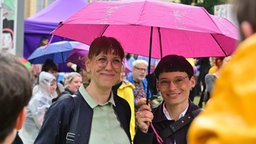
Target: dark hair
x,y
15,92
41,43
49,65
246,11
174,63
106,45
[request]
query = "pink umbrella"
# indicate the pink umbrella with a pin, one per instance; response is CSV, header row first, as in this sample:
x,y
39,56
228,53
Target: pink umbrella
x,y
151,28
229,36
78,54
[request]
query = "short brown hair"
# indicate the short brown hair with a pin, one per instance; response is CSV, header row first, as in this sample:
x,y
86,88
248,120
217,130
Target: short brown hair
x,y
106,45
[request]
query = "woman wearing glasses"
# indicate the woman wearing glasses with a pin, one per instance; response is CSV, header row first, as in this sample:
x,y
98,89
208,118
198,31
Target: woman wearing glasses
x,y
103,116
175,79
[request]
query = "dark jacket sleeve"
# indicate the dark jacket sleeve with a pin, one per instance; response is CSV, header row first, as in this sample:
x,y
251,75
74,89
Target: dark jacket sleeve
x,y
143,138
55,125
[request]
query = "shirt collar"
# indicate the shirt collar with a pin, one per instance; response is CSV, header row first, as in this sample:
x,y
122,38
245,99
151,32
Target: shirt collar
x,y
168,117
91,101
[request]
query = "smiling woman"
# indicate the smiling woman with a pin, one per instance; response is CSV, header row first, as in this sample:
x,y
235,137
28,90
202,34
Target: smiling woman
x,y
98,104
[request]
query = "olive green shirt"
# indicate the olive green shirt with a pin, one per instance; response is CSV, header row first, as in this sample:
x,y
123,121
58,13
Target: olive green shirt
x,y
106,128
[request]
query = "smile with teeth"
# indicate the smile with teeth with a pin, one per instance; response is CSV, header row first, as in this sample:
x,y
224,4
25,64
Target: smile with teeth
x,y
174,94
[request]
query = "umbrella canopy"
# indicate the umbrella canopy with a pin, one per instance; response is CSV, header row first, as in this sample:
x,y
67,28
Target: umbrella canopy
x,y
78,54
150,28
57,51
46,20
230,34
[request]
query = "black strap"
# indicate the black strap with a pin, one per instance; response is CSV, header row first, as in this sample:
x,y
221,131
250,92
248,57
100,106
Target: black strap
x,y
70,136
172,128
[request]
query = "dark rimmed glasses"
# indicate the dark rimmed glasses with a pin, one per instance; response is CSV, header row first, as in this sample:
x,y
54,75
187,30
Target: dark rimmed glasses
x,y
140,69
178,81
102,62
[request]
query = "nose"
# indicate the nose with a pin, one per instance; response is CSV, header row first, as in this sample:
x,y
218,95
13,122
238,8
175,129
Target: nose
x,y
172,85
109,65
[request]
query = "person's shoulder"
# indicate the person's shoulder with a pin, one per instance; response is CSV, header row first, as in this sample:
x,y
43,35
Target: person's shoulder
x,y
66,101
210,76
193,106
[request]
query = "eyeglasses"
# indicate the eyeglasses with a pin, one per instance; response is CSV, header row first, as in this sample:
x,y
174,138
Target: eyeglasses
x,y
140,69
178,81
102,61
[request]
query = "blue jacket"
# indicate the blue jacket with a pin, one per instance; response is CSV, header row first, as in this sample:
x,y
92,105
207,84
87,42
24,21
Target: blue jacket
x,y
144,81
58,118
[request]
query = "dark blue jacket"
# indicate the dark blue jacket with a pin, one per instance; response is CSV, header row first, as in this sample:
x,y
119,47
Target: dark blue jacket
x,y
58,118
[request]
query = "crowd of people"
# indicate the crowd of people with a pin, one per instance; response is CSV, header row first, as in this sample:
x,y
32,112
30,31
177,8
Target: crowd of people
x,y
105,104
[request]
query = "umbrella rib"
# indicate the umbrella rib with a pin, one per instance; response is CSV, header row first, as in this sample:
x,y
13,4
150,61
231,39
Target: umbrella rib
x,y
219,45
104,30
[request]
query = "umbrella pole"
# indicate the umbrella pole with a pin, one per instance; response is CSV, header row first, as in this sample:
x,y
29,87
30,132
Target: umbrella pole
x,y
149,63
160,42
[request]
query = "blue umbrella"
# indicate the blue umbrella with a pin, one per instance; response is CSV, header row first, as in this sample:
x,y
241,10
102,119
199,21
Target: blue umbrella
x,y
57,51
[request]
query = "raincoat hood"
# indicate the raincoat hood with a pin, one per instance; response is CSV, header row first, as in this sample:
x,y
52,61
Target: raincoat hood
x,y
45,80
229,116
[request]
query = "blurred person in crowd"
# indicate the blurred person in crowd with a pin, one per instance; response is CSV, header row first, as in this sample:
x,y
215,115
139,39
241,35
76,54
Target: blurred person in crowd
x,y
229,115
138,78
172,118
16,91
38,105
210,77
103,116
43,41
130,59
150,76
36,68
72,82
203,65
50,67
82,71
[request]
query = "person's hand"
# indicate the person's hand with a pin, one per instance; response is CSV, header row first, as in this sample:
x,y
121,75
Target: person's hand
x,y
140,102
69,64
144,117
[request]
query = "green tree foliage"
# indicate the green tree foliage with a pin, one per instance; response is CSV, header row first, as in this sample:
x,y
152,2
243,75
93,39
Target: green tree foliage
x,y
187,2
207,4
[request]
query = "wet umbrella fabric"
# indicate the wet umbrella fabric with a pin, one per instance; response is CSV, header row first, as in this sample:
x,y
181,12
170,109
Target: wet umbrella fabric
x,y
57,51
150,28
78,54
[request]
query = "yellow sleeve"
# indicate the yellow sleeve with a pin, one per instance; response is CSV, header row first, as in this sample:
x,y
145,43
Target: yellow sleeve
x,y
229,116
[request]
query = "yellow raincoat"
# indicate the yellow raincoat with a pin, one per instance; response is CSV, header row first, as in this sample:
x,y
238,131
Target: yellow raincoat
x,y
125,91
230,115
